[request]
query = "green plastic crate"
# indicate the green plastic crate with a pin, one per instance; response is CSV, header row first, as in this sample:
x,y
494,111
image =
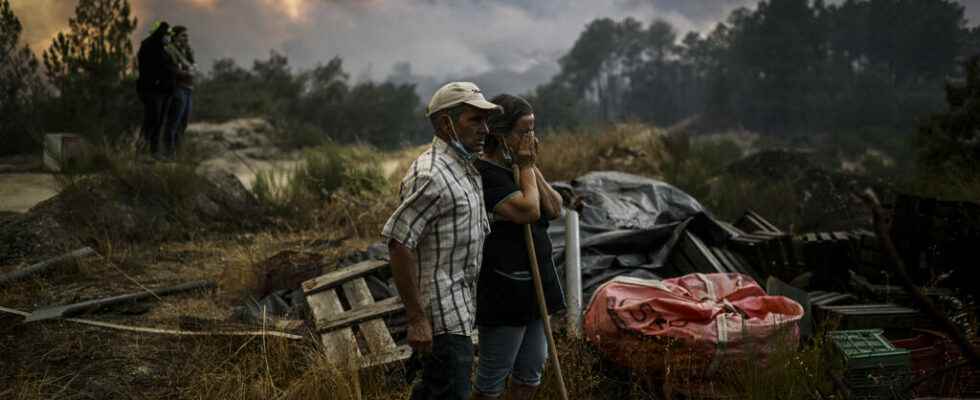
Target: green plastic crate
x,y
867,349
871,366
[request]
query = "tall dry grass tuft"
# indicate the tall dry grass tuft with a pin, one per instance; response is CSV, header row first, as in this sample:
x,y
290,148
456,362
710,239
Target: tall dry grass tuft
x,y
581,369
786,372
632,148
327,378
359,217
334,184
269,368
240,275
240,368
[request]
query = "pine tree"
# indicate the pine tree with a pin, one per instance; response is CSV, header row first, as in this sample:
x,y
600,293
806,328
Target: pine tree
x,y
90,67
20,87
97,44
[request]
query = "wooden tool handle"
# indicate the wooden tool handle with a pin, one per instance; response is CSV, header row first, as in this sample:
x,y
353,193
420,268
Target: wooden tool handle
x,y
542,304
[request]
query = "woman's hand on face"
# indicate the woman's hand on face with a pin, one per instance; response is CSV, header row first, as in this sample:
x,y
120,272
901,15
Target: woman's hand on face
x,y
527,150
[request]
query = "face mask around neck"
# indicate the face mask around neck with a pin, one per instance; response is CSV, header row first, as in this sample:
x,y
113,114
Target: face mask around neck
x,y
457,146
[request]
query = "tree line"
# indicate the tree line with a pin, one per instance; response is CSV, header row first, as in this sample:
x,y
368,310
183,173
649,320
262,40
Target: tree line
x,y
786,67
313,105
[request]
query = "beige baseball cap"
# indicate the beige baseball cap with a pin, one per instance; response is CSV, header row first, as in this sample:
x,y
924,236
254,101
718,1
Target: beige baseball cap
x,y
455,93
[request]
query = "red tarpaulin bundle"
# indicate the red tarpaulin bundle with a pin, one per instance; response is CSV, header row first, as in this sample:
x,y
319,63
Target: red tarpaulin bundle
x,y
693,321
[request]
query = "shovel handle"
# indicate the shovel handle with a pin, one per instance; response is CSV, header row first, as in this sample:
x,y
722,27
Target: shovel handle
x,y
542,305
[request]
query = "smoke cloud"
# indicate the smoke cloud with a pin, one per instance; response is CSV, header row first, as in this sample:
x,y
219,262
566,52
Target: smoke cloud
x,y
509,44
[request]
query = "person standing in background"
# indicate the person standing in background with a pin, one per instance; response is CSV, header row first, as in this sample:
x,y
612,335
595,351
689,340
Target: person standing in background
x,y
155,85
179,109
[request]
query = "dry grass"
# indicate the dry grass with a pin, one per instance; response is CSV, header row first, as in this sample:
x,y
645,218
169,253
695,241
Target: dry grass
x,y
327,171
64,360
632,148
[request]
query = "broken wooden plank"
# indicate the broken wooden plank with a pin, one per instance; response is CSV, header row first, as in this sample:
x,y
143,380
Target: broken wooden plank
x,y
398,354
828,298
681,263
755,223
44,265
733,232
192,323
728,259
374,331
339,345
866,316
338,277
379,309
695,247
77,308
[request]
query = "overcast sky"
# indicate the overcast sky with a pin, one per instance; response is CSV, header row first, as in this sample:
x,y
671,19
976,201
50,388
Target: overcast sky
x,y
508,43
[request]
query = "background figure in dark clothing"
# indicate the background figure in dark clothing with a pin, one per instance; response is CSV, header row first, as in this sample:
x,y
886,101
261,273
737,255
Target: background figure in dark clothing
x,y
157,78
179,109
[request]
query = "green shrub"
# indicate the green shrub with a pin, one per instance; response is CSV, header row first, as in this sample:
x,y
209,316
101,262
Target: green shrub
x,y
325,171
716,154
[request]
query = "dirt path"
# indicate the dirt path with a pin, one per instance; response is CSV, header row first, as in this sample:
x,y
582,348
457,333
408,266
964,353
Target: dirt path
x,y
19,192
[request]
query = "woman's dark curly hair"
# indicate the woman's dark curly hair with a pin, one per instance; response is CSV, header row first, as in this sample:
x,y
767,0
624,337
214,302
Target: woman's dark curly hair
x,y
514,108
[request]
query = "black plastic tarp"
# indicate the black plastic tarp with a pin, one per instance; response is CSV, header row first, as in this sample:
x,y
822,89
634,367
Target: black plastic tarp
x,y
628,226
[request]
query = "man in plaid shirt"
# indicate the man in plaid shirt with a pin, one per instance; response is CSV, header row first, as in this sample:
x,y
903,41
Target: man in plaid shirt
x,y
435,239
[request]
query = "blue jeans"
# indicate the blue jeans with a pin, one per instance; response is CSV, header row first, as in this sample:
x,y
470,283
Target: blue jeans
x,y
446,371
519,351
177,116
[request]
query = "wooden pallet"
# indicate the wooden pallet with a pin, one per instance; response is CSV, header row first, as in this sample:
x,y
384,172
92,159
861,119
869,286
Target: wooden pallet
x,y
339,327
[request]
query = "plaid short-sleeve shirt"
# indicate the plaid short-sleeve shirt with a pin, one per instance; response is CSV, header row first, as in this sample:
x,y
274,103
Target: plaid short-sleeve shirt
x,y
442,217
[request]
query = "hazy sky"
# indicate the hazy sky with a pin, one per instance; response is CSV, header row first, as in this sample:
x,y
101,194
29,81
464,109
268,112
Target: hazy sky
x,y
512,40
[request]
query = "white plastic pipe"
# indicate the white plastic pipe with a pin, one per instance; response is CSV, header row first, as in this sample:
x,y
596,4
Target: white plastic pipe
x,y
573,273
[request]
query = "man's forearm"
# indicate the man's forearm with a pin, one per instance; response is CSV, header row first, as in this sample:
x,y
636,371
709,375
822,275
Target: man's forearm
x,y
405,271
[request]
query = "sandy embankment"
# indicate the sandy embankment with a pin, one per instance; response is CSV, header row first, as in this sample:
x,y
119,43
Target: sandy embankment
x,y
21,191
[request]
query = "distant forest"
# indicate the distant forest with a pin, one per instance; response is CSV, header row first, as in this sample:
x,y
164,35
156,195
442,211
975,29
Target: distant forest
x,y
785,68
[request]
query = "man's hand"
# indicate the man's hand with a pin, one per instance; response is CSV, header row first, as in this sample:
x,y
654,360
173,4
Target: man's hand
x,y
420,335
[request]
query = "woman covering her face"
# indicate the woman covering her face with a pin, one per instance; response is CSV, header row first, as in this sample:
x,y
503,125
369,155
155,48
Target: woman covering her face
x,y
512,337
